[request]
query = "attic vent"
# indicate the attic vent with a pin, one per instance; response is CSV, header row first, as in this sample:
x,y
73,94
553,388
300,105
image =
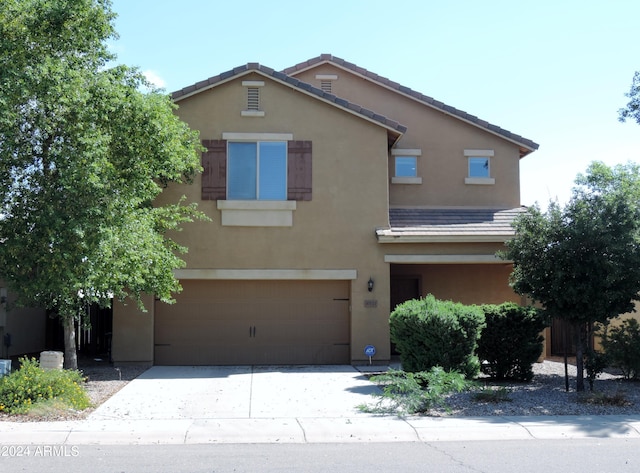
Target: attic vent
x,y
253,98
326,82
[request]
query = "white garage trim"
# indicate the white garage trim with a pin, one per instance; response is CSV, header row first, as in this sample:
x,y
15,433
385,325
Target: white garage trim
x,y
276,274
444,259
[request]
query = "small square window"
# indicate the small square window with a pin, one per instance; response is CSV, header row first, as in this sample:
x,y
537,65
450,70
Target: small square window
x,y
406,166
479,167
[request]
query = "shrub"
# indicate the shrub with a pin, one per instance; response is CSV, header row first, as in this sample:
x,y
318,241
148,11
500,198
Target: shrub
x,y
491,394
511,341
618,399
595,363
411,393
622,346
429,332
31,385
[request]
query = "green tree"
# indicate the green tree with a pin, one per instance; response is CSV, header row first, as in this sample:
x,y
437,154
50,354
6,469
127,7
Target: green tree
x,y
582,261
84,150
632,110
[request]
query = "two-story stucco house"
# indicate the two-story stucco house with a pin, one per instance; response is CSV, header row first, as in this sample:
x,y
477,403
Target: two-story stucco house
x,y
334,194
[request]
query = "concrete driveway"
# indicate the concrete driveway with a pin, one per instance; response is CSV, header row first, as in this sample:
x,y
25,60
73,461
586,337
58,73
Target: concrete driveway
x,y
239,392
288,404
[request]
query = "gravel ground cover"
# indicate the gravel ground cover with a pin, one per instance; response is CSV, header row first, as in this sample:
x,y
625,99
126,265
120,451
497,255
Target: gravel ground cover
x,y
544,395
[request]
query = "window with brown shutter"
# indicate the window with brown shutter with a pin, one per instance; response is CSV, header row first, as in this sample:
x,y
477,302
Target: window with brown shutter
x,y
214,175
299,170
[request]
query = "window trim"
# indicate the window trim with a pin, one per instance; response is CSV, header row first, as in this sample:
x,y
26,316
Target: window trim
x,y
406,153
299,164
479,153
256,213
326,82
232,136
253,104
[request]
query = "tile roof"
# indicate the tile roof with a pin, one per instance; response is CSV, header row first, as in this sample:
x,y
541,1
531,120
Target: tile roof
x,y
449,225
526,145
291,81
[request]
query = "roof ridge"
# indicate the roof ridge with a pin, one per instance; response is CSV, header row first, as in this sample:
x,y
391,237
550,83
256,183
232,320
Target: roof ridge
x,y
283,77
427,100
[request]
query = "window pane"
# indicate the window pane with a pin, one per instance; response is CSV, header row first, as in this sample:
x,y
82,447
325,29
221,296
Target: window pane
x,y
406,166
242,171
273,171
478,167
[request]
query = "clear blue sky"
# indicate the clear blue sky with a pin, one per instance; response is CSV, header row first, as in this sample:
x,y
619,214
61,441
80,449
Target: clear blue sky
x,y
552,71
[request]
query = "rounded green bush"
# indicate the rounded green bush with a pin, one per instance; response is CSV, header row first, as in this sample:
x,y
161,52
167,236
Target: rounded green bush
x,y
429,332
511,341
622,347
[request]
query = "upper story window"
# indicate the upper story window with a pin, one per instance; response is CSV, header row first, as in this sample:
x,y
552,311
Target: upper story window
x,y
253,107
479,166
257,178
257,170
257,166
405,166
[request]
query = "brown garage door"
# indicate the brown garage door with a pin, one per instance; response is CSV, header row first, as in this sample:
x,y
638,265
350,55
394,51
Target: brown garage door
x,y
254,322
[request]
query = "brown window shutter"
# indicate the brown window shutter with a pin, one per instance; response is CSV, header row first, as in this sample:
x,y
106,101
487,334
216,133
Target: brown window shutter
x,y
299,170
214,175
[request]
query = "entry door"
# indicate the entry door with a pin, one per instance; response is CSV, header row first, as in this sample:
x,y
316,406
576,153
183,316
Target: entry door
x,y
404,288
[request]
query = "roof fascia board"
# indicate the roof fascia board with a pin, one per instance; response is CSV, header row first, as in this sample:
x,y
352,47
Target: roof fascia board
x,y
391,238
415,99
333,104
397,133
216,84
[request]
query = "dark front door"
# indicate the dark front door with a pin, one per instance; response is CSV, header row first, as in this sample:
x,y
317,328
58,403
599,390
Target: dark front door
x,y
404,288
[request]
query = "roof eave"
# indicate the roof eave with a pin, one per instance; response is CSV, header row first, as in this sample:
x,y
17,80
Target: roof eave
x,y
197,91
395,129
386,237
524,147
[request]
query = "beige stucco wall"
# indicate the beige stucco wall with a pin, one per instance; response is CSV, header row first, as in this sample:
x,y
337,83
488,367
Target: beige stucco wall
x,y
442,139
27,327
468,284
132,340
335,230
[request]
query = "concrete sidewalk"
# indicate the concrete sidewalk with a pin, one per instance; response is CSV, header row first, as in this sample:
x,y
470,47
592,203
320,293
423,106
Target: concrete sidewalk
x,y
288,404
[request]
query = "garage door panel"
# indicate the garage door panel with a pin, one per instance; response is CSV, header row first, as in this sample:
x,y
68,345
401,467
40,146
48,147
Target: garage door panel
x,y
255,322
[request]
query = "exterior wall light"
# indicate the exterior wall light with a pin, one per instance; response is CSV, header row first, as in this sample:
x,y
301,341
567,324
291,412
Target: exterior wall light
x,y
370,285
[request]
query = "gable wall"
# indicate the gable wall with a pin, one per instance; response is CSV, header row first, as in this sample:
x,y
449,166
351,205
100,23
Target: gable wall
x,y
349,170
442,139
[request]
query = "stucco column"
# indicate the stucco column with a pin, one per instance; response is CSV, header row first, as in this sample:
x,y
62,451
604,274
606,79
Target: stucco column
x,y
132,340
